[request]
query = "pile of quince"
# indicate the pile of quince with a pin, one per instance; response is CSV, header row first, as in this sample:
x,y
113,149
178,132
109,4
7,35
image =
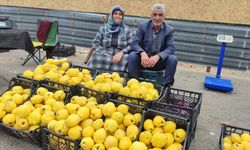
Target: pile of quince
x,y
59,71
106,82
98,126
51,69
10,101
161,134
38,110
113,83
143,90
237,142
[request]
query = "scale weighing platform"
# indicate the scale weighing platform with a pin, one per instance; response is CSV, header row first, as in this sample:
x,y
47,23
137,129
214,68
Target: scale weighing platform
x,y
217,83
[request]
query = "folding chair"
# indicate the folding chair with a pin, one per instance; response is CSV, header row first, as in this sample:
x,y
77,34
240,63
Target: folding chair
x,y
51,42
52,39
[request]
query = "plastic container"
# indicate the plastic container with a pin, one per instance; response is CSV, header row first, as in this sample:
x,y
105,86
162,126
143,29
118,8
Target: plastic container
x,y
227,130
132,109
184,99
53,141
180,123
34,137
180,111
21,82
57,85
122,74
81,90
93,71
152,76
31,79
160,88
132,100
138,101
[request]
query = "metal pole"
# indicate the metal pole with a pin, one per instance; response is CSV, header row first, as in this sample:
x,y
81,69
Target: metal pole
x,y
222,51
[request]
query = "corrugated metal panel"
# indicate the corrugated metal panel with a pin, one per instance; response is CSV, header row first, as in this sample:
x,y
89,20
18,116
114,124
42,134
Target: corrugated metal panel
x,y
60,14
195,41
32,11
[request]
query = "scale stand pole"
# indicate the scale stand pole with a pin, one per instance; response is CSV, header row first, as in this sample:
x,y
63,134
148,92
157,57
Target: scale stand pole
x,y
222,51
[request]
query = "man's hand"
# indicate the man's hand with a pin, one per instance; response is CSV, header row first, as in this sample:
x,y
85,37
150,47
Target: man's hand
x,y
144,59
117,58
153,60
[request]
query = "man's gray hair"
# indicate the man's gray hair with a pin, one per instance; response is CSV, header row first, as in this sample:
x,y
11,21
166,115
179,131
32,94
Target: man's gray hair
x,y
159,6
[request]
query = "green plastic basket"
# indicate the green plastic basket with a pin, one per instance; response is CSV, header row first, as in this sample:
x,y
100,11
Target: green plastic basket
x,y
152,76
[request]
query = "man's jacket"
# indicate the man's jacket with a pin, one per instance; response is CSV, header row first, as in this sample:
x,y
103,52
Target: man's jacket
x,y
144,36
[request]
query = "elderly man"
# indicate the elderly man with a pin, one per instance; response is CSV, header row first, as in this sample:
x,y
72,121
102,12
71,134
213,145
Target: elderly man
x,y
153,47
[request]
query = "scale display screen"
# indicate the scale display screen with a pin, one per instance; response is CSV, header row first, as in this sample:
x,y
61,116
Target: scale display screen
x,y
2,24
225,38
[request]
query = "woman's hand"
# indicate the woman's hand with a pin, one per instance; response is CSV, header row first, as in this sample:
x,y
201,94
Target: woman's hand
x,y
118,56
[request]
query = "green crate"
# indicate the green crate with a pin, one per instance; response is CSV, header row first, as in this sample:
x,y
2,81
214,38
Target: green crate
x,y
152,76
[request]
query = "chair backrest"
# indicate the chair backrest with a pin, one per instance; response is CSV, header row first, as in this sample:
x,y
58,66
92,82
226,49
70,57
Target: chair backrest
x,y
52,37
43,29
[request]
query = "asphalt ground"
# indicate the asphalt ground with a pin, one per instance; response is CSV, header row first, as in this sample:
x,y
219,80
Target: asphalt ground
x,y
217,107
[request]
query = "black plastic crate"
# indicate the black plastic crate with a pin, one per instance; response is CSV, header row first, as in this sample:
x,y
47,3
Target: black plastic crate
x,y
93,71
138,101
173,109
31,79
227,130
180,123
181,111
188,99
159,87
57,85
132,109
34,137
64,51
128,99
53,141
81,90
21,82
184,99
54,89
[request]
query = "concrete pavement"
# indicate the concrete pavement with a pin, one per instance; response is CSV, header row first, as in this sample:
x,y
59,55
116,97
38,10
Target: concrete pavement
x,y
217,107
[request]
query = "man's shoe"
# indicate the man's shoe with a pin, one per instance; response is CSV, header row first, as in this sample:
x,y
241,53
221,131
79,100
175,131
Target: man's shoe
x,y
169,84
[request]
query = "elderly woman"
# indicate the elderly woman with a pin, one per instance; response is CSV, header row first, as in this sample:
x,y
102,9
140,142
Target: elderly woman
x,y
112,43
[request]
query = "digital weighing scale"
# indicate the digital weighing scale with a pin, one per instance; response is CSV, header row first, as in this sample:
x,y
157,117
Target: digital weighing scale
x,y
217,83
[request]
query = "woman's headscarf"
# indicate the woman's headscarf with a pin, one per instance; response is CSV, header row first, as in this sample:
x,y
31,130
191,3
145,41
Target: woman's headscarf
x,y
111,25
